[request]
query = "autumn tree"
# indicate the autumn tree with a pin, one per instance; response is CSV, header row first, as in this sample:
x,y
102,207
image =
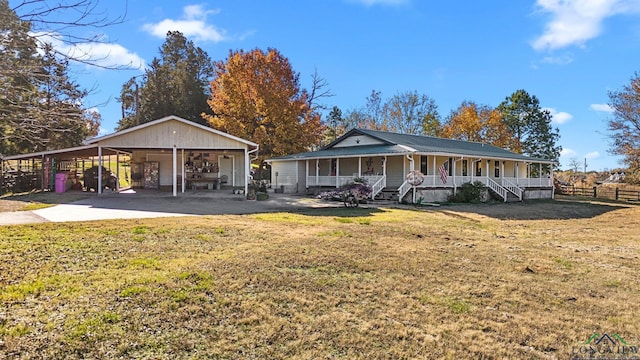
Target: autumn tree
x,y
176,83
256,95
473,122
530,127
41,108
624,127
411,113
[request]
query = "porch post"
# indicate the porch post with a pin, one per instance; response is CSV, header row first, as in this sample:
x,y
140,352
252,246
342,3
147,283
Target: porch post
x,y
453,175
472,170
174,180
434,170
488,173
99,169
359,166
306,173
384,166
553,185
182,171
337,172
502,169
118,171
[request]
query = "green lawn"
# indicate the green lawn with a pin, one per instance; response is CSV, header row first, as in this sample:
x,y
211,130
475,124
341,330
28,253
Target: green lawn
x,y
438,283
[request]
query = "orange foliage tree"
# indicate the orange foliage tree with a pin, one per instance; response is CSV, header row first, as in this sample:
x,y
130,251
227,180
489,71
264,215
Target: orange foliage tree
x,y
256,95
472,122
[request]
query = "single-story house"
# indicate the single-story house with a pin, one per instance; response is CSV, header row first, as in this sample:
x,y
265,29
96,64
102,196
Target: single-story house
x,y
168,153
385,159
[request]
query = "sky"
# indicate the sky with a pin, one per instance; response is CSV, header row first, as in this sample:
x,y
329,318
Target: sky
x,y
568,53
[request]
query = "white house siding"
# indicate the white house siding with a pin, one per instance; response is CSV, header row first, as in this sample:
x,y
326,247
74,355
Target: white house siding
x,y
302,176
348,166
287,171
395,170
358,140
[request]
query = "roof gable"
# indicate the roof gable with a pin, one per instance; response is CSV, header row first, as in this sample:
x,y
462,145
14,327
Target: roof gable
x,y
169,131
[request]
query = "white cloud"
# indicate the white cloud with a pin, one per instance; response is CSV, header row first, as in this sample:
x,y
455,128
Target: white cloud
x,y
559,117
567,152
558,60
592,155
574,22
100,53
193,24
601,108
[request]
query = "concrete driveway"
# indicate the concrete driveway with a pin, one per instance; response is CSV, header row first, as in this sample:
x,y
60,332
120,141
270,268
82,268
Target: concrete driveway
x,y
150,204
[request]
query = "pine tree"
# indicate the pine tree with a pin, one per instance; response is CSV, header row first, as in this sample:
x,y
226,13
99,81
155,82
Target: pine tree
x,y
176,83
530,126
40,107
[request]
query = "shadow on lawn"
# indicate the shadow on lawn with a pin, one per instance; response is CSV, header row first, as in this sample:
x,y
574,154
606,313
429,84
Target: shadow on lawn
x,y
560,209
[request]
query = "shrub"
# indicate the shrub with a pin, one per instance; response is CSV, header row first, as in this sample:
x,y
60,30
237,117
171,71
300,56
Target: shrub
x,y
469,193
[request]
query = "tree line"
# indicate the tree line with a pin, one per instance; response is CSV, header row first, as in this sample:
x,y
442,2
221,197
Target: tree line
x,y
252,94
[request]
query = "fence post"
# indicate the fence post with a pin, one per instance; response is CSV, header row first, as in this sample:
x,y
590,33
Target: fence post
x,y
595,194
617,192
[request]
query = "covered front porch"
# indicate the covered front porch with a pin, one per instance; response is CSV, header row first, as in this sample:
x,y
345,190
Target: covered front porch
x,y
388,172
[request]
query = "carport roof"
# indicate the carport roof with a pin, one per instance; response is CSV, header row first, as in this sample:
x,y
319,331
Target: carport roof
x,y
70,153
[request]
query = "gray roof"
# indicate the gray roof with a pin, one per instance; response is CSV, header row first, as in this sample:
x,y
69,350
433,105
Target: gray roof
x,y
395,144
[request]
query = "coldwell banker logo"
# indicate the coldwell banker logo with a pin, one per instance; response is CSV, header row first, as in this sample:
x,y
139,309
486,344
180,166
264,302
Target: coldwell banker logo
x,y
605,346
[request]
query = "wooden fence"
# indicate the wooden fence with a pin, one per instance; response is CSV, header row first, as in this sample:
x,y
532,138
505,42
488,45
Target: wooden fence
x,y
602,192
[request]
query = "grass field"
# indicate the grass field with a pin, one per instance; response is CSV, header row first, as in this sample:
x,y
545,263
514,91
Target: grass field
x,y
530,281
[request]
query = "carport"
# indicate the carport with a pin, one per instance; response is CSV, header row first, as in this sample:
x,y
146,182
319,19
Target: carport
x,y
169,152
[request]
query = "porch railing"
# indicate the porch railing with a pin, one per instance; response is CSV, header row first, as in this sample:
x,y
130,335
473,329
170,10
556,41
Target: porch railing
x,y
497,188
403,190
513,188
341,180
377,186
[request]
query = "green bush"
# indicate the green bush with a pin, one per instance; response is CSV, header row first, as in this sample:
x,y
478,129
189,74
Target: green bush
x,y
469,193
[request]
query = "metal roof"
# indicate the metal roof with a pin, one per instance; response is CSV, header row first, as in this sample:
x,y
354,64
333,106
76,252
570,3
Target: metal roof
x,y
395,144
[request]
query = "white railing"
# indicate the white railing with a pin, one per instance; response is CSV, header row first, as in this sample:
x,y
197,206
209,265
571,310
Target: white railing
x,y
313,180
513,188
403,190
497,188
377,186
531,182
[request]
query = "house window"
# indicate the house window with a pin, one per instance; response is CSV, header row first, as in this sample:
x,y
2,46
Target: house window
x,y
423,164
497,169
478,168
464,167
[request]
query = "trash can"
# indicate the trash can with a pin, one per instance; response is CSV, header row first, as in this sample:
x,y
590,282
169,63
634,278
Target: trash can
x,y
61,182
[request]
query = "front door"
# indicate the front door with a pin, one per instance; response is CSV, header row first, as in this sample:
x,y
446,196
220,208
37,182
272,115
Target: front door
x,y
227,169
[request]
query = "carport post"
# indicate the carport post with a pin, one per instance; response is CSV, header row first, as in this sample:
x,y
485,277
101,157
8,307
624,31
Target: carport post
x,y
99,169
175,171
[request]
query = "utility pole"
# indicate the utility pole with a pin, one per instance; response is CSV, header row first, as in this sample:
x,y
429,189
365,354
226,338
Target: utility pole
x,y
585,166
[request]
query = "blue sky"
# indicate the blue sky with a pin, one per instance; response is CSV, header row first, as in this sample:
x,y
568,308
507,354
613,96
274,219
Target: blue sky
x,y
568,53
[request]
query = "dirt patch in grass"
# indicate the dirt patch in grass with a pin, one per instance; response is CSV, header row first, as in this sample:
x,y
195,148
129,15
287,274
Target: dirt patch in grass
x,y
331,283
